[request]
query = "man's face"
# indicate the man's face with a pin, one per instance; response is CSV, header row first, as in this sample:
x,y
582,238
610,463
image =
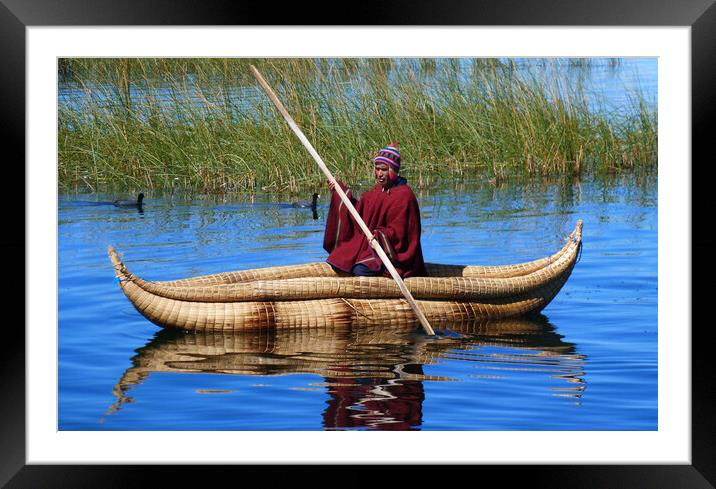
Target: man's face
x,y
381,174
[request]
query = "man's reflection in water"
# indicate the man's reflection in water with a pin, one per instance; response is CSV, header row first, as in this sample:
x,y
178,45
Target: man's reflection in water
x,y
380,404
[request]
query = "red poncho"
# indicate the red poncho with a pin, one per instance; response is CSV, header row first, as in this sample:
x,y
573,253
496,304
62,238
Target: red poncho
x,y
392,216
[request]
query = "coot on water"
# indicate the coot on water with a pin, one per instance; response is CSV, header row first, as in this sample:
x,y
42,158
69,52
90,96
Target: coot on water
x,y
130,203
304,205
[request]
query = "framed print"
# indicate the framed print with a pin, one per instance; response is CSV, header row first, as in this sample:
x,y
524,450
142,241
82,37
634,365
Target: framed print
x,y
664,437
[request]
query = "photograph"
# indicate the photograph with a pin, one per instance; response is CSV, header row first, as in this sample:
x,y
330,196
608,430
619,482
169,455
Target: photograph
x,y
357,244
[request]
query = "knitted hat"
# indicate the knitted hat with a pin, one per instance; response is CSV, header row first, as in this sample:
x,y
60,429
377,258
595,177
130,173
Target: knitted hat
x,y
390,156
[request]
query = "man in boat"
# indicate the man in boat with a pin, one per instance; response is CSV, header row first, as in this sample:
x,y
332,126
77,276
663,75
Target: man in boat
x,y
391,212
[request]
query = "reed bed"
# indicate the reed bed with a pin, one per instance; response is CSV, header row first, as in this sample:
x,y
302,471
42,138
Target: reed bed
x,y
204,125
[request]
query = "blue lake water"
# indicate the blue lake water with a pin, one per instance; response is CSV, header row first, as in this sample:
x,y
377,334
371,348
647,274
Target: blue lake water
x,y
589,362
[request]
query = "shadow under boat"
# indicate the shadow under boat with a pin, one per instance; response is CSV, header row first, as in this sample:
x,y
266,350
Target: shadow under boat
x,y
367,371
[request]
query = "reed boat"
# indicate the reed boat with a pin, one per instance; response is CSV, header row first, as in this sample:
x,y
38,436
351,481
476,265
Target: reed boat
x,y
313,295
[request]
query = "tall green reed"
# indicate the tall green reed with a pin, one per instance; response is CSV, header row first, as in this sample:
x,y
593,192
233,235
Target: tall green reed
x,y
205,125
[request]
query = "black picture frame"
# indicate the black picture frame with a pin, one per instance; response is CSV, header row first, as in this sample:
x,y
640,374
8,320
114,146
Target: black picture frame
x,y
700,15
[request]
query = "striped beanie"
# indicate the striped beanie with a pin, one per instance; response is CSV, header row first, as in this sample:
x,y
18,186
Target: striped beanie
x,y
390,156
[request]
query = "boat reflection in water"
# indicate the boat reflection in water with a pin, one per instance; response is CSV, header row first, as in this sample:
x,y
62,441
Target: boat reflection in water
x,y
373,376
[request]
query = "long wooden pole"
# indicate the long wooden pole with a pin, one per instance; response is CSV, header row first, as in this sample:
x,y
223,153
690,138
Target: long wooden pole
x,y
346,201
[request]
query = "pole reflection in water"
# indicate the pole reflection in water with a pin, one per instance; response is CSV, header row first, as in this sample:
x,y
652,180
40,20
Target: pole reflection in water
x,y
374,377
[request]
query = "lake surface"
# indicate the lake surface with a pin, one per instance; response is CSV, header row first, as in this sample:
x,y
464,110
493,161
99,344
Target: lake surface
x,y
589,362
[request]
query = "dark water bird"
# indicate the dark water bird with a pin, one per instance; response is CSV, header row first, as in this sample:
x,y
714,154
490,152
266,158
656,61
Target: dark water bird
x,y
130,203
306,205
